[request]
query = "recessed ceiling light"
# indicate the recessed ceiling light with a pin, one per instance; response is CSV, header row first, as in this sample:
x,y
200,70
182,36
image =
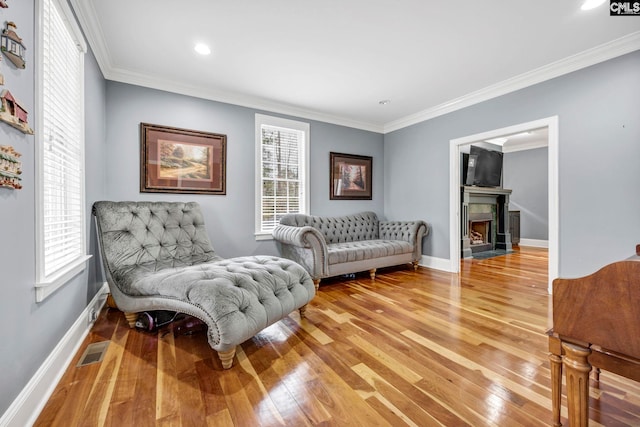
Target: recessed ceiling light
x,y
591,4
202,49
384,102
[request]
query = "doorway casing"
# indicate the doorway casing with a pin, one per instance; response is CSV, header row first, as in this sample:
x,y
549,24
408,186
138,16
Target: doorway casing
x,y
551,123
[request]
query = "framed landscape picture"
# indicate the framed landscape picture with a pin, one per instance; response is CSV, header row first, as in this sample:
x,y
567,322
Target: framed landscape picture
x,y
350,177
176,160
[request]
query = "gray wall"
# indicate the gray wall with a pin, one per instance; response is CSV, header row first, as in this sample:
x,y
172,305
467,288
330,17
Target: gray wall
x,y
599,148
31,330
230,219
599,199
526,173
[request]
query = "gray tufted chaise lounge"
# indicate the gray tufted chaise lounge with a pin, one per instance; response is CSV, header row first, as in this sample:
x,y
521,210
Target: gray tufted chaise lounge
x,y
157,256
331,246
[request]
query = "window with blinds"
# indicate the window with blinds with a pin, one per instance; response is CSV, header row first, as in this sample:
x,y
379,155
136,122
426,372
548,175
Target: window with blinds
x,y
281,159
61,210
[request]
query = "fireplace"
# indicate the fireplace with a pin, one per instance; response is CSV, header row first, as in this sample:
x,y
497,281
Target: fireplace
x,y
481,232
484,220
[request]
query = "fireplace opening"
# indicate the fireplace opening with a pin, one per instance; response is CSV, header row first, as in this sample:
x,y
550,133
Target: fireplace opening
x,y
481,232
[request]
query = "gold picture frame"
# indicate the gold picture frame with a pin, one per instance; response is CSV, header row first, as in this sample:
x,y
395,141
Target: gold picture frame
x,y
174,160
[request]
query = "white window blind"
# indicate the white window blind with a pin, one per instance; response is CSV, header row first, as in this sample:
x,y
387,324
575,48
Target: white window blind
x,y
282,151
61,164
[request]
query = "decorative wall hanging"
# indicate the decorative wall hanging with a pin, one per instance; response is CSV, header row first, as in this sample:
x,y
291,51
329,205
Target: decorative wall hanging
x,y
350,177
11,112
10,167
11,45
181,161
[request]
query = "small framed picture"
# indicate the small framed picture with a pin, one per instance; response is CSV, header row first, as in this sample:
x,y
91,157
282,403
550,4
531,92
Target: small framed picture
x,y
350,177
176,160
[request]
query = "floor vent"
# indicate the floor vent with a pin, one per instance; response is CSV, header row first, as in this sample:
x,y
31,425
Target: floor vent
x,y
94,353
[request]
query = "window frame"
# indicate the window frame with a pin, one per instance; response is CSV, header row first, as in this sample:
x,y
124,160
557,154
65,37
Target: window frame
x,y
265,120
48,284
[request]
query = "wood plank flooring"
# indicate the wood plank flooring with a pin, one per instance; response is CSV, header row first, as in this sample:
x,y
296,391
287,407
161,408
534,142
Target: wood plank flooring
x,y
424,348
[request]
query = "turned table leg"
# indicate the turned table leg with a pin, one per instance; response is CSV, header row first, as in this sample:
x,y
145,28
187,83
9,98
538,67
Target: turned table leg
x,y
577,370
226,357
556,387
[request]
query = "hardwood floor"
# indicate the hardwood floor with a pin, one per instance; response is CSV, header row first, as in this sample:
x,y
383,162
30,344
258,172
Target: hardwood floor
x,y
424,348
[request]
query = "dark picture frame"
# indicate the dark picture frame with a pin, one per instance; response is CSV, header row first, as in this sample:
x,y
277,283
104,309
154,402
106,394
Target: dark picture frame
x,y
350,177
174,160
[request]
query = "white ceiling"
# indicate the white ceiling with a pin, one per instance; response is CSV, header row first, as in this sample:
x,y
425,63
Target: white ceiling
x,y
334,60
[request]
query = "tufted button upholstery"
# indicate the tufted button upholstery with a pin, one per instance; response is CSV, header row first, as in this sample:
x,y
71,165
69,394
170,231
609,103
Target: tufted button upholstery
x,y
157,255
361,226
329,246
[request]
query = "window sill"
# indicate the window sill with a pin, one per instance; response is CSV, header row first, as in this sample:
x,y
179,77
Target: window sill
x,y
51,284
264,236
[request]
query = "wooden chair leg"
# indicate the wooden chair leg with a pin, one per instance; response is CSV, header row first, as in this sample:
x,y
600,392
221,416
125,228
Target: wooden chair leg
x,y
226,357
556,387
131,319
372,273
577,368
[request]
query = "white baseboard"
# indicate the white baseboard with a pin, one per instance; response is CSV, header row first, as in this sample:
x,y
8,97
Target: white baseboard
x,y
534,243
27,406
436,263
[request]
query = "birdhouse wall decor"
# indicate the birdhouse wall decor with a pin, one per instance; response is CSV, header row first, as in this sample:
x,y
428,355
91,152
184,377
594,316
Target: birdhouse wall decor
x,y
11,45
10,167
12,112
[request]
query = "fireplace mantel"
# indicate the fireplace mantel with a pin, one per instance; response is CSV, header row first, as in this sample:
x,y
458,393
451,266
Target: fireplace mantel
x,y
486,195
485,191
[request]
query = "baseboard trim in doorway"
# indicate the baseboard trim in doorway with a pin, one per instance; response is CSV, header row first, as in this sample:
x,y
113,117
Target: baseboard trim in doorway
x,y
534,243
436,263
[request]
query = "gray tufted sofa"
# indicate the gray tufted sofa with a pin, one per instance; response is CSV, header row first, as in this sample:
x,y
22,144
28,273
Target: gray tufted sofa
x,y
157,256
331,246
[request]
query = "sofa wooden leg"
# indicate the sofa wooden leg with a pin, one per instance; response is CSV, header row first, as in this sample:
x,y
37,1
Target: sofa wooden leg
x,y
131,319
415,265
372,273
303,310
316,283
226,357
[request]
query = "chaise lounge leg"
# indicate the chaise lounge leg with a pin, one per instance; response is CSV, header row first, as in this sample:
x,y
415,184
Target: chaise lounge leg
x,y
372,273
316,283
302,310
226,357
415,265
131,319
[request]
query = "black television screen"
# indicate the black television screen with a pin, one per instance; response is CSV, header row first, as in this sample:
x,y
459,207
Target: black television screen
x,y
484,167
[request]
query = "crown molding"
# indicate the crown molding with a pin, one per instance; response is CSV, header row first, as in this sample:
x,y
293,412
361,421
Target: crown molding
x,y
92,30
140,79
90,24
604,52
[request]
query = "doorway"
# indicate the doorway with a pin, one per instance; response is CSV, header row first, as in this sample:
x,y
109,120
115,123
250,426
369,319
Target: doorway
x,y
551,124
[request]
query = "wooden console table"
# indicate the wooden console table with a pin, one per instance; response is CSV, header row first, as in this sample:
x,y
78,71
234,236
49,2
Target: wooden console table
x,y
596,322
